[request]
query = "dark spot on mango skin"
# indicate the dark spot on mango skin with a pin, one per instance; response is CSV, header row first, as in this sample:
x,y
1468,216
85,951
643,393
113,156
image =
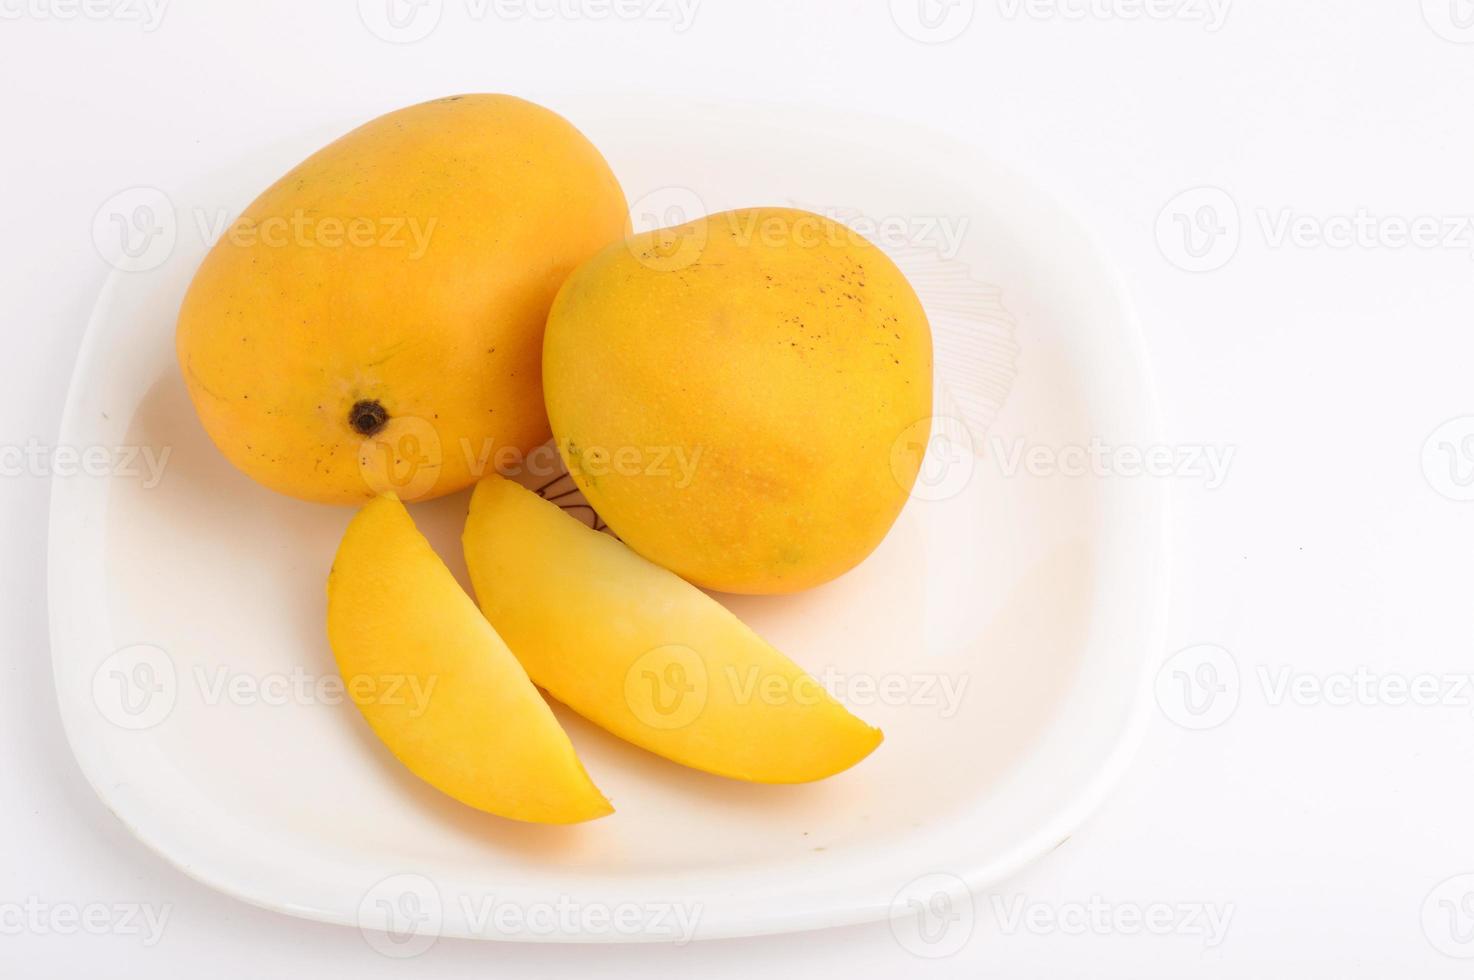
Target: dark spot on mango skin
x,y
367,417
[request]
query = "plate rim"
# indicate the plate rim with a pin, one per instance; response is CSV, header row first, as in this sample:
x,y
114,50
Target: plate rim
x,y
68,500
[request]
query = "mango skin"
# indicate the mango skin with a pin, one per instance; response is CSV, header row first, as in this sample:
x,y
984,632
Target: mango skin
x,y
438,685
783,353
645,655
411,264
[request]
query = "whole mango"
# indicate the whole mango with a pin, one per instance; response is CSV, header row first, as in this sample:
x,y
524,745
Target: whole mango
x,y
745,398
373,322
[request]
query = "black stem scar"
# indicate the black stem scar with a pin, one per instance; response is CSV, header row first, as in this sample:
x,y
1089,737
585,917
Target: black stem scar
x,y
367,417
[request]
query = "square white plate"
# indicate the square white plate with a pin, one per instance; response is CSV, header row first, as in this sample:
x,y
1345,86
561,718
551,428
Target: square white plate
x,y
1002,636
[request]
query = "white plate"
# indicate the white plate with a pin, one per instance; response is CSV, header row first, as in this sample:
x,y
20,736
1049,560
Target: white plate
x,y
1041,593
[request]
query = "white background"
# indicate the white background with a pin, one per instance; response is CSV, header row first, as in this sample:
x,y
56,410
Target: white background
x,y
1319,828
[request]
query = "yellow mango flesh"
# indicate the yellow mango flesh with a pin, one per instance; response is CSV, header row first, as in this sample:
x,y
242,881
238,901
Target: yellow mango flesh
x,y
437,684
746,399
645,655
373,322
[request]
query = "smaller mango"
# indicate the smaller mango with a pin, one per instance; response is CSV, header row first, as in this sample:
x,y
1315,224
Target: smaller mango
x,y
783,355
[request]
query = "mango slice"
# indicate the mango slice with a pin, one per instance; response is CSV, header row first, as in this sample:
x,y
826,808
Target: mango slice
x,y
437,684
644,654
